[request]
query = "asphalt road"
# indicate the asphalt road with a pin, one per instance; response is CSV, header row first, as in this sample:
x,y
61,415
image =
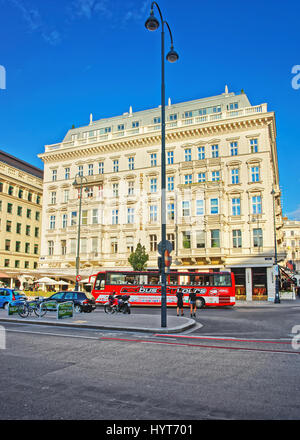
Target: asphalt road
x,y
239,365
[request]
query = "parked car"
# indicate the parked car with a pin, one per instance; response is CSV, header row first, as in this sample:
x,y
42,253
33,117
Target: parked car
x,y
83,302
8,295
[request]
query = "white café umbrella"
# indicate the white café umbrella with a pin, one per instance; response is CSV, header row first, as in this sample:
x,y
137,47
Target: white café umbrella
x,y
62,283
46,280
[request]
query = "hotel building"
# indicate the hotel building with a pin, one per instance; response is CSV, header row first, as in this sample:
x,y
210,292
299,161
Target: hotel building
x,y
21,190
221,169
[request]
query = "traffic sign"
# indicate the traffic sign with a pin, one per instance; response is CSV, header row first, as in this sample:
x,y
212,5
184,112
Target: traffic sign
x,y
169,247
78,278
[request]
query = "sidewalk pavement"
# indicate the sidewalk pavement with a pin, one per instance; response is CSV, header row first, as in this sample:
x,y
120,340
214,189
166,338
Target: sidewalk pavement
x,y
102,321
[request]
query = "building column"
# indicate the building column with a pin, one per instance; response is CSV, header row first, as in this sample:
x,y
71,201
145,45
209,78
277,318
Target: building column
x,y
248,284
271,284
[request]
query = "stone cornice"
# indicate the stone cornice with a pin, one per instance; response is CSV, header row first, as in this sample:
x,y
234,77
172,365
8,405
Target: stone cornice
x,y
184,133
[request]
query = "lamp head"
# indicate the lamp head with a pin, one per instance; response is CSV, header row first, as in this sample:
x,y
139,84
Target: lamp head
x,y
152,23
172,55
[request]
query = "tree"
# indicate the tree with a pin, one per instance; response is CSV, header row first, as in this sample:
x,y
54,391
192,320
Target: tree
x,y
139,258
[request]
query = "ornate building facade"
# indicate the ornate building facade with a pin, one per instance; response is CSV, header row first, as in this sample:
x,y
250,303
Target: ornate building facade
x,y
21,191
221,170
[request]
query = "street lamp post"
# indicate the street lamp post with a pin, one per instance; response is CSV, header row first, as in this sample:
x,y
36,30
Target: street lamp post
x,y
277,298
152,24
76,183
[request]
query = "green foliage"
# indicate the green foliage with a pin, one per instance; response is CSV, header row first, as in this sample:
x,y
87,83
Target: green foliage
x,y
139,258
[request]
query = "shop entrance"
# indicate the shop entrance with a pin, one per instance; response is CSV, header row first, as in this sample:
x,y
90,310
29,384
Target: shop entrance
x,y
259,283
240,282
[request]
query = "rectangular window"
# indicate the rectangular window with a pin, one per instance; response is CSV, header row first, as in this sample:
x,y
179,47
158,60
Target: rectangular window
x,y
66,195
130,215
121,127
19,210
170,157
95,217
200,207
29,197
114,245
131,163
67,173
6,263
37,215
215,238
7,245
101,167
188,114
201,177
84,217
131,188
153,185
256,205
64,221
73,244
186,239
215,176
27,229
90,169
171,211
115,216
237,238
186,209
115,166
10,190
188,155
171,183
130,244
54,175
201,153
50,247
153,213
200,239
17,263
73,218
188,179
52,222
214,206
236,206
63,247
9,208
153,158
94,244
115,189
80,170
27,248
171,239
20,194
18,246
18,228
253,145
233,148
215,151
53,197
173,117
135,124
235,176
36,232
257,237
8,226
254,174
28,213
156,120
26,264
153,243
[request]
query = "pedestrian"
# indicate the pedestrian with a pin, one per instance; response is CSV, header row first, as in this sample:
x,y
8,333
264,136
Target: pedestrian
x,y
179,295
192,298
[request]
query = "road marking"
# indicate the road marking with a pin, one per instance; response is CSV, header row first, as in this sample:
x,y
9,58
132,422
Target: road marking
x,y
53,334
200,345
219,338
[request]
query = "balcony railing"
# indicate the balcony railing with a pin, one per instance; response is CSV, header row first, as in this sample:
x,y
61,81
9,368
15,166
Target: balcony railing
x,y
247,111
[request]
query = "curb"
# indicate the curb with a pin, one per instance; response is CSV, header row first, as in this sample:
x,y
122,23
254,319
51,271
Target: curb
x,y
177,329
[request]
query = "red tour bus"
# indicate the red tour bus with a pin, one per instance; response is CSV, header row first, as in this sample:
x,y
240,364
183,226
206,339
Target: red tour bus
x,y
212,288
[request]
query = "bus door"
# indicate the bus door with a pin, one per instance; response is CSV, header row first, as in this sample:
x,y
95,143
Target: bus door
x,y
100,282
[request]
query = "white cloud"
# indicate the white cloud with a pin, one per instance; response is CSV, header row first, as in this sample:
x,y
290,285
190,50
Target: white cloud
x,y
294,215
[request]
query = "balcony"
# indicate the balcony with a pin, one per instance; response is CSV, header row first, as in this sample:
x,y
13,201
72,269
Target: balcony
x,y
154,128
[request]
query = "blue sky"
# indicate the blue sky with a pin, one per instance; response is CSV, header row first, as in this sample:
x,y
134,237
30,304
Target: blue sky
x,y
65,59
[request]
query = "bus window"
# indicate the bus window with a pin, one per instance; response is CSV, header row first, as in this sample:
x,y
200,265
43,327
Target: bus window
x,y
223,279
153,279
100,282
115,278
173,278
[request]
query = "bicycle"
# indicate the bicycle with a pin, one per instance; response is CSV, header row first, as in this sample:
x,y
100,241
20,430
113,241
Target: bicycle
x,y
29,307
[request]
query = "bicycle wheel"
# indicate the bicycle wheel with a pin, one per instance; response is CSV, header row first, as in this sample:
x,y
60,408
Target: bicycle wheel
x,y
108,309
40,310
23,310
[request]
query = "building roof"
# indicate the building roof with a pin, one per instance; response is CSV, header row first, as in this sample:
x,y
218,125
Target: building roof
x,y
21,164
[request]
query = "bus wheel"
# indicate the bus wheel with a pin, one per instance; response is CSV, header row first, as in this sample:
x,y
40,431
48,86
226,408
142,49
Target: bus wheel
x,y
200,303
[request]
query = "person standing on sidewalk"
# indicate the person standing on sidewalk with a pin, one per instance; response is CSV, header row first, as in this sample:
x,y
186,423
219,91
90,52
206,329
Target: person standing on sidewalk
x,y
192,299
179,295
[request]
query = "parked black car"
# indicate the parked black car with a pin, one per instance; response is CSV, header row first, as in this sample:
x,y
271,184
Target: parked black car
x,y
83,302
